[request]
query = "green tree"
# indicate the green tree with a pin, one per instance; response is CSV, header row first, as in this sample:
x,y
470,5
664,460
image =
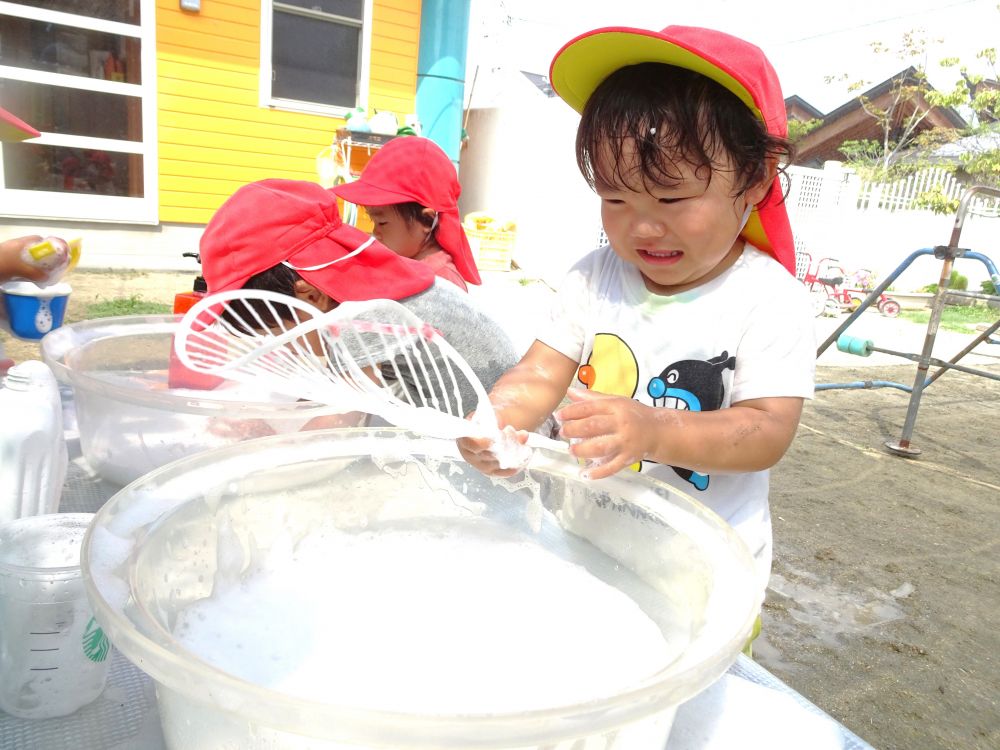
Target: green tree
x,y
798,129
900,112
982,161
904,147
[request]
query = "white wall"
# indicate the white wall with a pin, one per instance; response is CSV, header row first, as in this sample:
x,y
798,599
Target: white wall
x,y
882,242
827,222
521,165
145,248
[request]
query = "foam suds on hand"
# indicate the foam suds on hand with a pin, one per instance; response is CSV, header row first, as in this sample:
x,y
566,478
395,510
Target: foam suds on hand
x,y
510,453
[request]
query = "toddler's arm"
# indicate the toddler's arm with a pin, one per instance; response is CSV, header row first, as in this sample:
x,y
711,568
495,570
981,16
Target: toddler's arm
x,y
523,397
615,432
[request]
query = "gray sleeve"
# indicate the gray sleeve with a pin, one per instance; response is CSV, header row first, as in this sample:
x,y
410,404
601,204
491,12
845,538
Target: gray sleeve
x,y
472,332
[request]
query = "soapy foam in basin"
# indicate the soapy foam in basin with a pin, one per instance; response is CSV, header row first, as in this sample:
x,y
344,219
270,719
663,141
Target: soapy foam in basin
x,y
124,440
449,619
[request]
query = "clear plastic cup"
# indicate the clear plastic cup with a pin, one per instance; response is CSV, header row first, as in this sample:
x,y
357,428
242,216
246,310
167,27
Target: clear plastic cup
x,y
53,655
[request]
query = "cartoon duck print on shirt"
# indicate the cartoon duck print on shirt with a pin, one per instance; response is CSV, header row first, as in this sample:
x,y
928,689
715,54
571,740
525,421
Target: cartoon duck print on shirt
x,y
611,369
695,385
692,384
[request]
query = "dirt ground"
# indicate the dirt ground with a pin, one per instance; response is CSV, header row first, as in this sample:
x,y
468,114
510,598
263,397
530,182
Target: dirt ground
x,y
885,592
884,597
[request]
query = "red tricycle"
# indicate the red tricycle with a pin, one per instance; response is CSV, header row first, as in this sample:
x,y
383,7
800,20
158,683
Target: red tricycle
x,y
826,282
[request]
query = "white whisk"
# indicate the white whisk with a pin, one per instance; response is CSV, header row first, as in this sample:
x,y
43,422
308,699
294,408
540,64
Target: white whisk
x,y
375,356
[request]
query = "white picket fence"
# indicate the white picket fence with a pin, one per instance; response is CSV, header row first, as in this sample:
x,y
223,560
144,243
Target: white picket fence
x,y
902,195
811,188
834,214
839,220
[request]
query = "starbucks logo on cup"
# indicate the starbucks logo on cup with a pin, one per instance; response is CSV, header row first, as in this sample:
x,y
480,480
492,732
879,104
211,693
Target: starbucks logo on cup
x,y
95,644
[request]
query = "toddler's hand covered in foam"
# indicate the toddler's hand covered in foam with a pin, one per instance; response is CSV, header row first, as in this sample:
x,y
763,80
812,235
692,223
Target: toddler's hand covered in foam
x,y
32,258
499,458
510,449
608,432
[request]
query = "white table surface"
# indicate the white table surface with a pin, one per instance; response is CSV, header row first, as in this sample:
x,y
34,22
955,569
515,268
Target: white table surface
x,y
746,708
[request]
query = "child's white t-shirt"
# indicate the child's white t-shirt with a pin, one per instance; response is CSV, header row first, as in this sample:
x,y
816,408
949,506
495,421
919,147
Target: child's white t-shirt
x,y
747,334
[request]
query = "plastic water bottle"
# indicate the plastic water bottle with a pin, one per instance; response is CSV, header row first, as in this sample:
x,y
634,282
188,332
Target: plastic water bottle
x,y
33,458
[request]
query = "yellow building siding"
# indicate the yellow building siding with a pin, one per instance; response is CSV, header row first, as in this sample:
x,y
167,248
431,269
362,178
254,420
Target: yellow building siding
x,y
213,136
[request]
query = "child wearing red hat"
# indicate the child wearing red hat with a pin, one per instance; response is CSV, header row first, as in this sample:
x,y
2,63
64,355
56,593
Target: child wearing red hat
x,y
410,190
688,342
286,236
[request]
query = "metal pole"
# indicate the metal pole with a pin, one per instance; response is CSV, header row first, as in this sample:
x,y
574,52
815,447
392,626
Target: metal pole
x,y
903,446
976,342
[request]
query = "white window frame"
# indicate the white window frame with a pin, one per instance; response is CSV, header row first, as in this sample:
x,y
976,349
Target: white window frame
x,y
268,101
52,204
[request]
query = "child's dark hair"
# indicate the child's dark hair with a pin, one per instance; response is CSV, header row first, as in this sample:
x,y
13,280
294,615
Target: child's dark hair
x,y
670,113
280,279
413,212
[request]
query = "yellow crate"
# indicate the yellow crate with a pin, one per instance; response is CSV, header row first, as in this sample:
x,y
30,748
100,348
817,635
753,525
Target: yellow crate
x,y
493,251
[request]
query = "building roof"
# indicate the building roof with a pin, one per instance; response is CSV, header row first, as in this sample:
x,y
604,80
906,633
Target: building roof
x,y
907,76
851,122
795,102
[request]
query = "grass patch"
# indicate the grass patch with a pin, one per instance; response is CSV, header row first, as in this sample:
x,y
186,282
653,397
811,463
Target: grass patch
x,y
134,305
960,319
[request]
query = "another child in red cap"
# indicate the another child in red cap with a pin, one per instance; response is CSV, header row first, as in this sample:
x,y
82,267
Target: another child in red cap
x,y
689,342
410,190
286,236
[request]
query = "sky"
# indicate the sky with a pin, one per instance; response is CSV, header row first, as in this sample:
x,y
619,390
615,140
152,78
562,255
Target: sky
x,y
805,51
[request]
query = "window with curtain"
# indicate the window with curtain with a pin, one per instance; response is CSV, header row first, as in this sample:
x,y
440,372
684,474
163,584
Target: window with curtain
x,y
314,54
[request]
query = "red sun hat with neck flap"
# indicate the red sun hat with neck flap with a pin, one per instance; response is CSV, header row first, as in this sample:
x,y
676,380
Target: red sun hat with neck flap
x,y
414,169
742,68
297,223
14,129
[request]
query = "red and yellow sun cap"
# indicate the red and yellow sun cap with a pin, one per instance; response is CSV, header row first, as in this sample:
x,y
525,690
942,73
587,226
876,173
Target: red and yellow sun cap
x,y
742,68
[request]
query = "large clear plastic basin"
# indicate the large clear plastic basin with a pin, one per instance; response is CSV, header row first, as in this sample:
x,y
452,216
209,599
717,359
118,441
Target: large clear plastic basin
x,y
157,547
131,420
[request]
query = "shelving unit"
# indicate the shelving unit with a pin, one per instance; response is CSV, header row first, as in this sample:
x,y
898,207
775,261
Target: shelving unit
x,y
352,149
358,148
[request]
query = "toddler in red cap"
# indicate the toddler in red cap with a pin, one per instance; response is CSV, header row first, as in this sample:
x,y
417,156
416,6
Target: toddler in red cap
x,y
286,236
410,190
685,347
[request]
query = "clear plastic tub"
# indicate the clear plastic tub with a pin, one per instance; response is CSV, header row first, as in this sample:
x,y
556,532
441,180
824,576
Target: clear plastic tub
x,y
166,546
133,419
